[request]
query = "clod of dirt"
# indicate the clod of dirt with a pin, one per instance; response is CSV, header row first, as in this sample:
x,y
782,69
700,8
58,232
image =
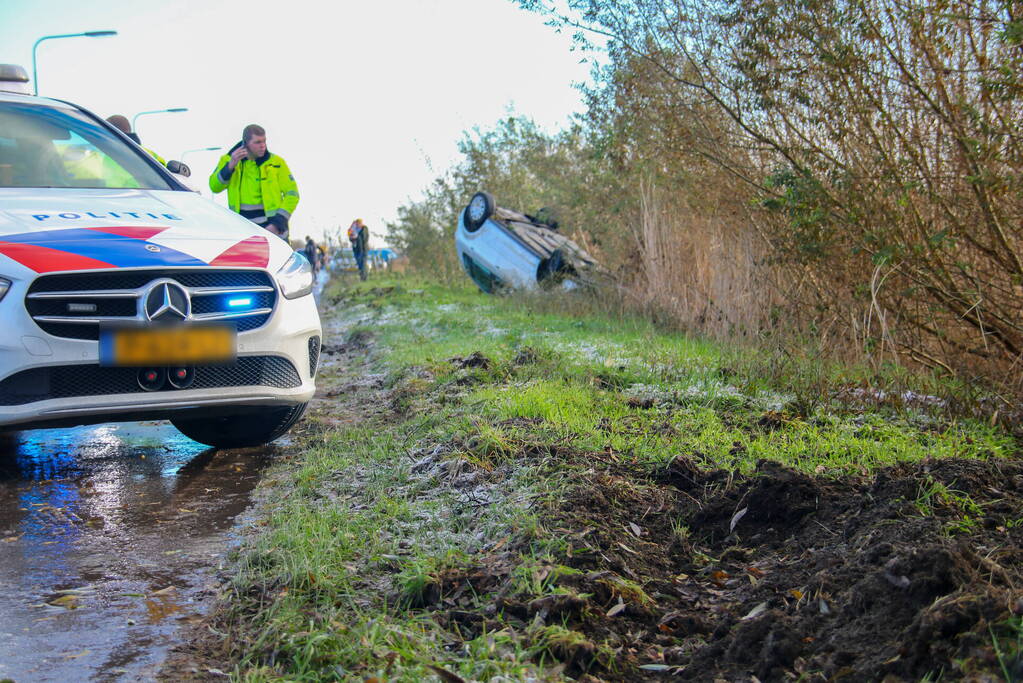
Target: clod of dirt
x,y
771,420
526,356
640,402
359,339
473,360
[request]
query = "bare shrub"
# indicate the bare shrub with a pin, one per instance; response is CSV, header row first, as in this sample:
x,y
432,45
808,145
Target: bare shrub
x,y
882,137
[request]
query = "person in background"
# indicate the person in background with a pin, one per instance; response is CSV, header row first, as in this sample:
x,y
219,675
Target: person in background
x,y
259,184
121,123
358,235
321,255
311,254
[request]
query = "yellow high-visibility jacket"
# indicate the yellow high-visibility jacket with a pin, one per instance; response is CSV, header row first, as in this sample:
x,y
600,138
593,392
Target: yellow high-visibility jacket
x,y
277,186
156,156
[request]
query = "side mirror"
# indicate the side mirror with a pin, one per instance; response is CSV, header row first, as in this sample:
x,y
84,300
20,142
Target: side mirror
x,y
179,168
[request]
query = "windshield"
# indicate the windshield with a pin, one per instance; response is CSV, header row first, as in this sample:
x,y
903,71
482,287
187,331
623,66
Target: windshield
x,y
54,146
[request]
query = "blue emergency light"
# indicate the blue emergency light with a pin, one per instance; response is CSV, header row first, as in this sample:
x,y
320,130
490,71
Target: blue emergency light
x,y
240,302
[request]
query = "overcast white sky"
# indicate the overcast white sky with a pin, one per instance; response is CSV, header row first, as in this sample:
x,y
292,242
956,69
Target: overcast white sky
x,y
365,100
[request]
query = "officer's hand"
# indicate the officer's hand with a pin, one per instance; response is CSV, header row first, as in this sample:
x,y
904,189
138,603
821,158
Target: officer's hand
x,y
237,156
280,224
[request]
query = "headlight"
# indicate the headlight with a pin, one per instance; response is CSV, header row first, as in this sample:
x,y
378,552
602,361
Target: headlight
x,y
4,286
295,277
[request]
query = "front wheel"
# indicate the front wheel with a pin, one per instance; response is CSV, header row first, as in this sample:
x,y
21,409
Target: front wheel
x,y
478,210
239,431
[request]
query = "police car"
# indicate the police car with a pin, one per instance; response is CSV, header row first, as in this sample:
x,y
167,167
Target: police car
x,y
126,296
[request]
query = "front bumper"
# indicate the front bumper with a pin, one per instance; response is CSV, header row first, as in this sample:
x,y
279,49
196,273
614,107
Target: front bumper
x,y
50,381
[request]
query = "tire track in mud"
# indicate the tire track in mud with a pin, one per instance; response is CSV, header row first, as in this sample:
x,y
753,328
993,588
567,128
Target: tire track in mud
x,y
707,575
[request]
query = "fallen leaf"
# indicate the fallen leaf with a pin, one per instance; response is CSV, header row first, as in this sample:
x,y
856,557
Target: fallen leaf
x,y
756,611
390,659
636,529
655,667
736,517
617,609
65,601
719,577
796,593
445,675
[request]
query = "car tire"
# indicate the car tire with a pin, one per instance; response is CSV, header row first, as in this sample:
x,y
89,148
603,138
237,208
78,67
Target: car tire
x,y
478,210
240,431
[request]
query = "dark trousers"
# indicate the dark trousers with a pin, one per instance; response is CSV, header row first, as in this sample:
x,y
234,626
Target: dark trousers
x,y
360,260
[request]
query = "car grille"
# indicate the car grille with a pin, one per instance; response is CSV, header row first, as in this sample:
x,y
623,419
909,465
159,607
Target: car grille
x,y
73,305
74,381
314,355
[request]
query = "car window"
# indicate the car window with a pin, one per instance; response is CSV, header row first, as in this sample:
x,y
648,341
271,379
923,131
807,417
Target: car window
x,y
53,146
483,278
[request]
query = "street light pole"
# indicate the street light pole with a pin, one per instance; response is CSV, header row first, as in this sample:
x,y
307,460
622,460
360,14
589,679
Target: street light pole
x,y
86,34
172,110
198,149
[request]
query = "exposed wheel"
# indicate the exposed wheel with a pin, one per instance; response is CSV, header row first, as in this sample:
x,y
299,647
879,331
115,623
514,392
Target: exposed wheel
x,y
480,208
245,429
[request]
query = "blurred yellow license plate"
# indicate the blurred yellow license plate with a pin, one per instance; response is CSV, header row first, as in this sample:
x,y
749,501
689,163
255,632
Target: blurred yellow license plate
x,y
183,345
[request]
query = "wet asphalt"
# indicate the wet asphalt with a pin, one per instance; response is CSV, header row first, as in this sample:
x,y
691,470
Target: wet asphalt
x,y
109,539
110,536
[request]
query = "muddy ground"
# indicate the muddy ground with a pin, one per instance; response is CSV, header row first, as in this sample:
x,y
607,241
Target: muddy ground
x,y
778,576
689,573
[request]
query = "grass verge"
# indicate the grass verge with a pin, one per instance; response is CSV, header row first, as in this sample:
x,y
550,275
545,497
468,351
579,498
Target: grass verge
x,y
492,489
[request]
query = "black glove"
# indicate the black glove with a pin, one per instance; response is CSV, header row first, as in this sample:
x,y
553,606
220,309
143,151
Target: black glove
x,y
279,222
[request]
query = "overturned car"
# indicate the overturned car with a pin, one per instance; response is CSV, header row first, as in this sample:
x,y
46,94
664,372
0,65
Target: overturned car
x,y
500,248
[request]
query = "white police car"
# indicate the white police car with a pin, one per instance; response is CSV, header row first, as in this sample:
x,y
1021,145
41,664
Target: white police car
x,y
125,296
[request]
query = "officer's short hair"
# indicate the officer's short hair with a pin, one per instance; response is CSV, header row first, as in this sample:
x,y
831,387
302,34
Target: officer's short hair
x,y
251,131
120,122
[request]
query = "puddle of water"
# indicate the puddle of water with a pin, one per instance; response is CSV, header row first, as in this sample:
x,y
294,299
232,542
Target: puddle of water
x,y
107,536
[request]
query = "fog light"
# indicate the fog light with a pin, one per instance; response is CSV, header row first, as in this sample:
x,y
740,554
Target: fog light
x,y
151,379
181,378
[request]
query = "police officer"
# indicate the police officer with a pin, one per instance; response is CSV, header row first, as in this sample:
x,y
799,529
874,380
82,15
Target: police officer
x,y
120,122
259,184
